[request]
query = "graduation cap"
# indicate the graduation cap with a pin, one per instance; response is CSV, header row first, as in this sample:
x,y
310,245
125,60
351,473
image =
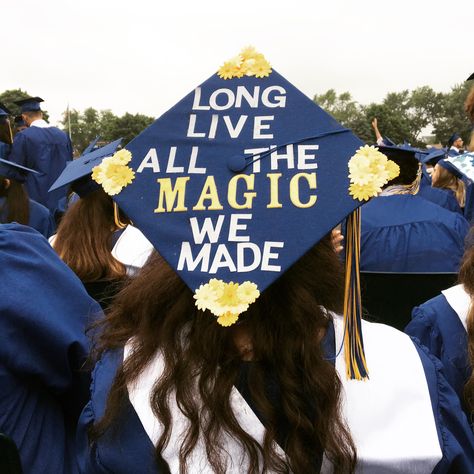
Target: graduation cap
x,y
470,77
453,138
460,165
77,172
30,104
238,181
4,112
11,170
91,146
433,156
407,158
388,142
447,165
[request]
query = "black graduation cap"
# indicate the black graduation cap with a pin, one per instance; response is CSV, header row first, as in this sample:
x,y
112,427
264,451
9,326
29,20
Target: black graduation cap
x,y
470,77
30,104
406,157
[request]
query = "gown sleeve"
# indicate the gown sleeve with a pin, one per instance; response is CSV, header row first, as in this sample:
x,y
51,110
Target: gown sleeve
x,y
454,431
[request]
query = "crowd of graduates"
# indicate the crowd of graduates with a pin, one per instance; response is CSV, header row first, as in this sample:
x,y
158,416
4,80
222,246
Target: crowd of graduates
x,y
118,357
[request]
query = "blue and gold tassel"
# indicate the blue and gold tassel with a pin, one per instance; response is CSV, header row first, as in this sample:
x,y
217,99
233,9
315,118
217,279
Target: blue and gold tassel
x,y
356,365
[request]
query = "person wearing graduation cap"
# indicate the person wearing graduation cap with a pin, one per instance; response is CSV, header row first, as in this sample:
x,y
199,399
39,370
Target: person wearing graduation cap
x,y
445,325
45,149
43,382
446,177
403,232
380,140
16,206
19,124
90,231
455,144
226,353
5,132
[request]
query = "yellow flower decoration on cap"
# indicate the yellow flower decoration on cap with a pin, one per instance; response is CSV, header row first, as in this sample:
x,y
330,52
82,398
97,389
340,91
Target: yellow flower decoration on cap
x,y
226,300
247,63
369,171
113,173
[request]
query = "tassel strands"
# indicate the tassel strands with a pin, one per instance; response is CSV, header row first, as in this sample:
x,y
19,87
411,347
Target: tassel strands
x,y
119,224
356,365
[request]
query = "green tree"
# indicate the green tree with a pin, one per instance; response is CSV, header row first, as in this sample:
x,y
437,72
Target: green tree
x,y
87,125
128,127
452,117
9,97
342,107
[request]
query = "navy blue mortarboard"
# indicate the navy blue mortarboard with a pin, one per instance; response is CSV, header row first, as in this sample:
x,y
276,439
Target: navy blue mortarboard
x,y
460,165
11,170
453,138
31,104
77,172
470,77
447,165
239,180
388,142
433,156
92,146
4,112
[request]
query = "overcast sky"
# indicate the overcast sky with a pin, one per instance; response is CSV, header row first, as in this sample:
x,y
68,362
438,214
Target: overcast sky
x,y
142,56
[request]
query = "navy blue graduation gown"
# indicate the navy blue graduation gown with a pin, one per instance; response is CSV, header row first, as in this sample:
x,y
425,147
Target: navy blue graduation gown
x,y
4,150
46,150
408,234
469,205
43,384
438,327
126,447
40,218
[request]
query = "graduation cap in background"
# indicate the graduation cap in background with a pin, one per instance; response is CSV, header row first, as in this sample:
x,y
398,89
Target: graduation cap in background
x,y
433,156
388,142
6,135
30,104
453,138
11,170
78,172
4,112
239,180
91,146
460,165
447,165
407,158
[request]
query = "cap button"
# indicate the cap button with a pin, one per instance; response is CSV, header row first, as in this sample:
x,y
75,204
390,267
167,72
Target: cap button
x,y
236,163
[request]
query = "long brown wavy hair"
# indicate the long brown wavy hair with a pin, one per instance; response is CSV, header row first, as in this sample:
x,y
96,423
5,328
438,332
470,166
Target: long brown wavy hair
x,y
444,179
466,277
16,202
285,326
84,238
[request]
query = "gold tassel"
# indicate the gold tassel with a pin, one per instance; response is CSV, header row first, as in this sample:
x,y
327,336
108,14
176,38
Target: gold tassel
x,y
356,365
118,222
